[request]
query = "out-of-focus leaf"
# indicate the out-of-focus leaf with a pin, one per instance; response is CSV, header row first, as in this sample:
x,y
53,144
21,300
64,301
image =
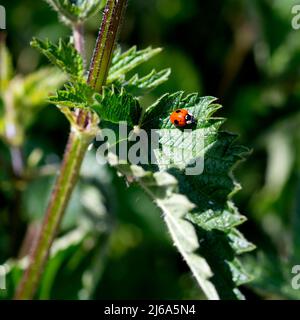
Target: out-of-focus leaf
x,y
76,254
90,199
76,11
62,252
6,69
272,277
24,98
35,88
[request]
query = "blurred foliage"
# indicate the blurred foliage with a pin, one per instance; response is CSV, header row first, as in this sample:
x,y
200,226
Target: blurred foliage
x,y
76,11
243,51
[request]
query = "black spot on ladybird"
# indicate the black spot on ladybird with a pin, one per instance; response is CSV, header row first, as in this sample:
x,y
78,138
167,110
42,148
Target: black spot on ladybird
x,y
176,121
177,111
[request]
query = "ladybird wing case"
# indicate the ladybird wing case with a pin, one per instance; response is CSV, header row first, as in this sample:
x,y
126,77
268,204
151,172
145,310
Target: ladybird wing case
x,y
181,117
178,117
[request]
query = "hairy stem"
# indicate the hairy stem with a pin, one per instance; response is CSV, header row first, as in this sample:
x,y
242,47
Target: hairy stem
x,y
64,186
79,139
113,15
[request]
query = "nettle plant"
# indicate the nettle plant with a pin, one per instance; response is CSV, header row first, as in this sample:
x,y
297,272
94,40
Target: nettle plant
x,y
197,209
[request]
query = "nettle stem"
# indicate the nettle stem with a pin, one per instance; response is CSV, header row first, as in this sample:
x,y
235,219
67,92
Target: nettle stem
x,y
113,15
78,36
69,172
79,140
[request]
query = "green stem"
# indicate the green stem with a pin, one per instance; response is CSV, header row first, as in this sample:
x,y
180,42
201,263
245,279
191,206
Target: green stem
x,y
79,139
108,33
69,173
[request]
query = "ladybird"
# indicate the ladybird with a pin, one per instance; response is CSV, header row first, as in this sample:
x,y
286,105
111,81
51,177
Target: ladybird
x,y
182,117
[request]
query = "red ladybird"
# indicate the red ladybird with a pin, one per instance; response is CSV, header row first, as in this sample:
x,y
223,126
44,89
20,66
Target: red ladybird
x,y
182,117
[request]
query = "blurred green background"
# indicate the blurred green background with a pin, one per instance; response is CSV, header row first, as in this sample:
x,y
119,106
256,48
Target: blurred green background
x,y
113,243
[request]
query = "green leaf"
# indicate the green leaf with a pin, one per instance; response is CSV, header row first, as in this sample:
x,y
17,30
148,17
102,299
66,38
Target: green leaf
x,y
207,209
75,95
140,86
158,114
162,188
113,105
129,60
116,105
63,55
76,11
214,216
